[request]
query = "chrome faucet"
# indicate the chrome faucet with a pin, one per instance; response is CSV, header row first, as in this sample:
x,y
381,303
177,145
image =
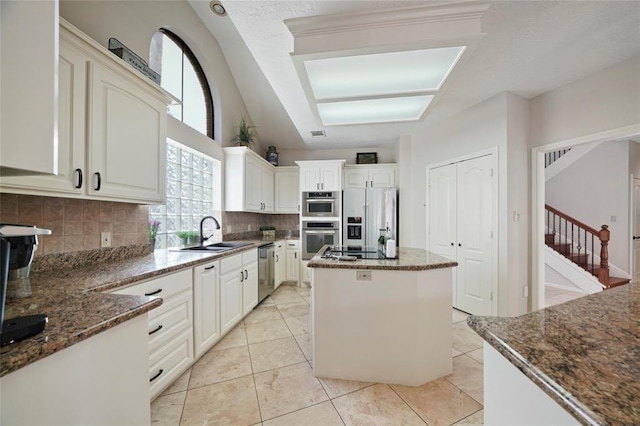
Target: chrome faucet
x,y
202,237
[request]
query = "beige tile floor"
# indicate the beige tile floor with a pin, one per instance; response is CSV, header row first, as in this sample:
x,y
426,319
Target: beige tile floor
x,y
555,295
260,374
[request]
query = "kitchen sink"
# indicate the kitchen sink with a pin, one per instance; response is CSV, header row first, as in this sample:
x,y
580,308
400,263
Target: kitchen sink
x,y
217,247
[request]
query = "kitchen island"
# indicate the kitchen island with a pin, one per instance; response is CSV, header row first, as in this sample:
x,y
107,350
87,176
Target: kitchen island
x,y
382,320
574,363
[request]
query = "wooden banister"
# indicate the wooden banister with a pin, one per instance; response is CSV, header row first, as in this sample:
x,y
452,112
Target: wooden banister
x,y
576,234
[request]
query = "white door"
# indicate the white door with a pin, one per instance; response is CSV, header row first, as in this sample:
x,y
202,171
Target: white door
x,y
460,226
636,231
474,214
442,207
231,307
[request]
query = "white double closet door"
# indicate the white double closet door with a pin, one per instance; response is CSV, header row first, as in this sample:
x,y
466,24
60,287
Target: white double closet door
x,y
460,222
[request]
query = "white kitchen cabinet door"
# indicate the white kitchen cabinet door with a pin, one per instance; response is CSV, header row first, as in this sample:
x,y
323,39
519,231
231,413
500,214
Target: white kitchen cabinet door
x,y
253,185
28,77
206,297
267,189
127,138
306,272
280,263
320,175
230,300
293,269
250,287
330,177
71,177
287,190
461,221
372,176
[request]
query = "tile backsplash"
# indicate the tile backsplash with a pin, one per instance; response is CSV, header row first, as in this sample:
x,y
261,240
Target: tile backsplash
x,y
239,222
76,224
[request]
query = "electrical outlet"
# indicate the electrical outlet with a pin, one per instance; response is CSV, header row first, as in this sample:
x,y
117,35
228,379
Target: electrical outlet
x,y
105,239
516,216
525,291
363,276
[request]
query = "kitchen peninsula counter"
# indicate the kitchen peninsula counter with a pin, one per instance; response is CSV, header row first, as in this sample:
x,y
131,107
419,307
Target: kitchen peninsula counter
x,y
584,355
386,320
76,301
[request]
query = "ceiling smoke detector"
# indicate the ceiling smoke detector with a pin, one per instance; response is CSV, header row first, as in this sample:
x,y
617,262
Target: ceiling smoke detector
x,y
318,133
218,8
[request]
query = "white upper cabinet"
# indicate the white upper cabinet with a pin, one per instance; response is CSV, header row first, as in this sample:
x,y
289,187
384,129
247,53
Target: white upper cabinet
x,y
287,192
28,77
127,138
249,181
112,129
370,176
320,175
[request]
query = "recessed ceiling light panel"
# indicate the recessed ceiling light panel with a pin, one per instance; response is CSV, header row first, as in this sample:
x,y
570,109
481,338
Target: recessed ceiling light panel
x,y
382,73
408,108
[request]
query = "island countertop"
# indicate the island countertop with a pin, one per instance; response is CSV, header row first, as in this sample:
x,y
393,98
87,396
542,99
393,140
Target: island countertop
x,y
409,259
75,300
585,354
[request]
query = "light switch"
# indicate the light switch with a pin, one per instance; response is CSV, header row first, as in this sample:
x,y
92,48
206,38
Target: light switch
x,y
105,239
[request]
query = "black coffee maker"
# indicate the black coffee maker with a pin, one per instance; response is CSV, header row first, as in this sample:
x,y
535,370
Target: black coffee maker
x,y
17,246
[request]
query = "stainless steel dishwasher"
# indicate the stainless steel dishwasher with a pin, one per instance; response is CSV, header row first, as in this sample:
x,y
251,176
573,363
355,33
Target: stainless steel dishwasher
x,y
266,271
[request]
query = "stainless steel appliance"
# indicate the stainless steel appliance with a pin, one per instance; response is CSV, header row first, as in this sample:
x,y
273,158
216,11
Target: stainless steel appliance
x,y
266,271
353,253
368,213
320,204
317,234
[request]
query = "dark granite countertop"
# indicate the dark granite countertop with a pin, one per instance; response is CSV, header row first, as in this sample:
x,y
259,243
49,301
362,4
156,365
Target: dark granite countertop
x,y
585,353
78,307
409,259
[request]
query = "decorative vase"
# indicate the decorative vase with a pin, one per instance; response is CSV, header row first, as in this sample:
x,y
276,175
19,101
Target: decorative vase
x,y
272,155
152,243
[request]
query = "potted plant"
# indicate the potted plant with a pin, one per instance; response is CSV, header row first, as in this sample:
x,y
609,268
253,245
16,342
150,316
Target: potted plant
x,y
188,237
244,134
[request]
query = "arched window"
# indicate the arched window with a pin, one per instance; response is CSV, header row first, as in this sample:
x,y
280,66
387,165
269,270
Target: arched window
x,y
183,77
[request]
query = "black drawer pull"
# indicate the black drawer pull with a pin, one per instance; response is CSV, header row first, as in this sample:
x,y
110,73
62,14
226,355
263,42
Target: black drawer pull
x,y
153,292
246,274
79,172
156,330
157,375
97,188
208,268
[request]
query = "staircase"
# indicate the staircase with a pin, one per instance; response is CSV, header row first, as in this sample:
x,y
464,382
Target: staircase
x,y
579,243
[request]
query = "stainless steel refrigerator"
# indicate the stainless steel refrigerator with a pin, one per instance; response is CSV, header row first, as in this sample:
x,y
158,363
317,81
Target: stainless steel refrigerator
x,y
368,213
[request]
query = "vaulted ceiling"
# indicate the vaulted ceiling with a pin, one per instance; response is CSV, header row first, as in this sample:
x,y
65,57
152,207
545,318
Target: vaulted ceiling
x,y
527,47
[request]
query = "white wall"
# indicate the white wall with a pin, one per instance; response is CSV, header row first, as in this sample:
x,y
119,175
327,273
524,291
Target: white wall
x,y
288,157
595,188
405,182
134,23
606,100
634,158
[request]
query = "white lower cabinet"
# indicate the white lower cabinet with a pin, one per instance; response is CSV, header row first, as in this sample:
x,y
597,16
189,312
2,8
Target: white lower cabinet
x,y
249,281
292,272
280,263
206,307
238,287
231,278
170,327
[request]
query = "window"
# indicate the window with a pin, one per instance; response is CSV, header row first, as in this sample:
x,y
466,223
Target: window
x,y
183,77
190,190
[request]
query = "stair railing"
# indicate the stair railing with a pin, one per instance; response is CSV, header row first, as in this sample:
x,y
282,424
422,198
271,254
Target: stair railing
x,y
577,241
551,156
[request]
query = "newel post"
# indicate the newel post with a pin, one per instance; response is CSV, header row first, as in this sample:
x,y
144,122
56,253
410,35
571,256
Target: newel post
x,y
603,273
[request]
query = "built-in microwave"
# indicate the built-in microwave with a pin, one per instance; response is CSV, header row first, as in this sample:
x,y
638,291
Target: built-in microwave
x,y
320,204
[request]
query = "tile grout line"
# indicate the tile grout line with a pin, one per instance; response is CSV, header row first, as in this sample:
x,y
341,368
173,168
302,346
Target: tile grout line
x,y
408,405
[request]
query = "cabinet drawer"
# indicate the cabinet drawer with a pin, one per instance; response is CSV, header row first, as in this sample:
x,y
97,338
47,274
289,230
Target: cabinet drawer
x,y
170,362
293,244
250,256
230,264
165,286
176,317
